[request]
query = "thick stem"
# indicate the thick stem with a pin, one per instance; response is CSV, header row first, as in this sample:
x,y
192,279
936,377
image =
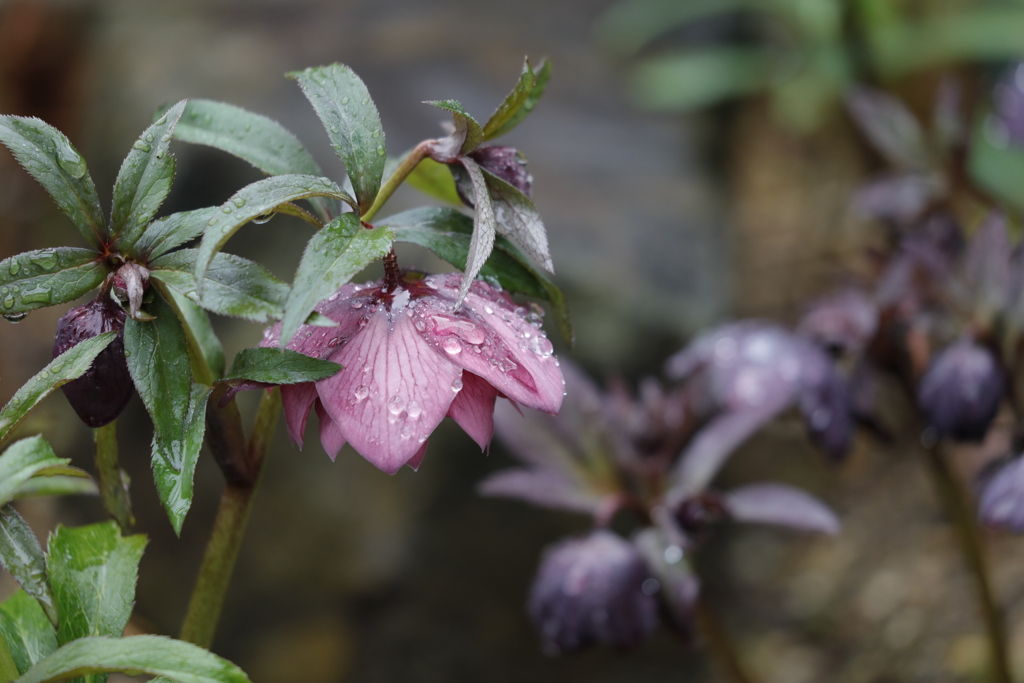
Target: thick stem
x,y
113,481
397,178
722,649
204,608
958,506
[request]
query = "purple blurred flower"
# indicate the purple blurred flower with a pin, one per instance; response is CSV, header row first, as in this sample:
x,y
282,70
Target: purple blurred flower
x,y
1008,98
409,358
99,395
1001,499
960,393
593,589
844,321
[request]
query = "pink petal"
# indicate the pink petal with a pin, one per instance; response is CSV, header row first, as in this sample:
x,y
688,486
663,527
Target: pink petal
x,y
490,337
414,461
393,391
296,400
346,307
473,408
330,433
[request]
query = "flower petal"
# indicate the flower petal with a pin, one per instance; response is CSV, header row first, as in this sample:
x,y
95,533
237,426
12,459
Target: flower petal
x,y
473,408
297,399
490,337
331,437
347,307
392,393
414,461
771,503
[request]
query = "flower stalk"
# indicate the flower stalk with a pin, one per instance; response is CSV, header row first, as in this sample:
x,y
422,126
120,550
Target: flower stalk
x,y
407,165
113,486
959,508
225,541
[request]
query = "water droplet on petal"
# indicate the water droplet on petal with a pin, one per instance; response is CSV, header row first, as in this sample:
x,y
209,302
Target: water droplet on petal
x,y
414,410
457,384
451,345
395,405
361,393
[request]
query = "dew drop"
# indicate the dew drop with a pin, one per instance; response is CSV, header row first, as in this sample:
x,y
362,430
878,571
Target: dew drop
x,y
45,260
357,305
361,392
15,267
344,100
263,218
457,384
9,302
15,318
420,325
451,345
405,432
488,310
141,146
335,342
226,209
239,202
396,405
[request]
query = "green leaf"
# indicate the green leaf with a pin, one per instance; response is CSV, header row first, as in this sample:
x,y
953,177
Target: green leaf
x,y
279,366
233,286
23,460
58,485
172,231
47,277
688,81
144,180
466,127
157,354
50,158
175,660
998,169
485,226
343,104
332,257
23,558
29,634
261,141
446,232
93,570
520,102
70,365
256,200
518,219
196,320
434,179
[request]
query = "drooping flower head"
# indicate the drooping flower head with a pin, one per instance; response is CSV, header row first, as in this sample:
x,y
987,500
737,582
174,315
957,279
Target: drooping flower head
x,y
410,357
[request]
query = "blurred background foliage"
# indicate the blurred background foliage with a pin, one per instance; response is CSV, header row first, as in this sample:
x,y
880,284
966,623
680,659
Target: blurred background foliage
x,y
692,161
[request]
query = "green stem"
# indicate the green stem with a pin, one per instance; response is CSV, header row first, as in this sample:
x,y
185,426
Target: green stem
x,y
228,531
113,481
8,671
717,638
958,506
397,178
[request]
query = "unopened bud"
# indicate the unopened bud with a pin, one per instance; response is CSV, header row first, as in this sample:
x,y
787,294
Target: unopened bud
x,y
103,391
960,393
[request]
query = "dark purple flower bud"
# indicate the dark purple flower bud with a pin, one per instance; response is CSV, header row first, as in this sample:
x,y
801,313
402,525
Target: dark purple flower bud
x,y
592,589
960,393
504,162
103,391
1001,498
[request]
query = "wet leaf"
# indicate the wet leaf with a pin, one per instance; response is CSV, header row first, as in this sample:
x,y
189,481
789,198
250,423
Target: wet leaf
x,y
468,132
233,286
541,76
255,201
49,157
484,226
172,231
279,366
158,361
93,570
23,460
446,232
512,103
23,558
47,277
261,141
198,322
57,485
343,104
175,660
144,180
29,634
517,219
70,365
335,254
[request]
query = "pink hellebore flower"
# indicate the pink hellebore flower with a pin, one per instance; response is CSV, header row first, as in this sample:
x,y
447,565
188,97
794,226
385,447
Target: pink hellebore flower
x,y
409,359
